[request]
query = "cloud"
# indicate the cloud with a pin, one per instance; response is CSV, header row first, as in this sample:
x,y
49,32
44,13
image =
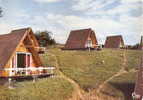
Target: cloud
x,y
61,25
47,1
90,15
108,7
127,26
5,28
75,22
125,9
83,5
131,1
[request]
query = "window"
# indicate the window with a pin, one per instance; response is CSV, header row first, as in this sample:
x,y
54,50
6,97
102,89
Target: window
x,y
23,60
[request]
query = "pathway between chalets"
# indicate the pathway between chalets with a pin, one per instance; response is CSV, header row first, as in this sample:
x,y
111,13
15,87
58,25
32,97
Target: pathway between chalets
x,y
95,94
78,92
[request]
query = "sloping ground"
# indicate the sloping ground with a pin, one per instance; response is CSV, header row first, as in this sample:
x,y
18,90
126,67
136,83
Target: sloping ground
x,y
78,92
43,89
120,88
77,71
91,69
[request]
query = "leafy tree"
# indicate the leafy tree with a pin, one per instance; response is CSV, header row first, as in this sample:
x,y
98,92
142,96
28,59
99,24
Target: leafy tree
x,y
136,46
44,38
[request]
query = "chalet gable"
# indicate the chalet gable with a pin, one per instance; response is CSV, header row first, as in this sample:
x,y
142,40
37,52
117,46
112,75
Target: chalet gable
x,y
114,42
11,42
78,39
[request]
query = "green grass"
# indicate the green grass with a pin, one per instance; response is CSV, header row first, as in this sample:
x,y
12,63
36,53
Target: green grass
x,y
133,58
48,60
43,89
121,87
89,69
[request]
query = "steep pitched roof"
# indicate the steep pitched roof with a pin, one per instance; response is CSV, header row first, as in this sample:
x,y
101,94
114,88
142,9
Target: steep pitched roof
x,y
9,43
114,41
77,38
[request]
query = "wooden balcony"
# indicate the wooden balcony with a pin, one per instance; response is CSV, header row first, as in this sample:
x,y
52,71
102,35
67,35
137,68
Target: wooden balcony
x,y
30,71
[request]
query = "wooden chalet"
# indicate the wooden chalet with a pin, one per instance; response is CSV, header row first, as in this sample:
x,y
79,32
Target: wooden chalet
x,y
114,42
19,55
138,92
141,43
81,39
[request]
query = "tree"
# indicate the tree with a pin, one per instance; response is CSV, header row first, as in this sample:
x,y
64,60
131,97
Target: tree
x,y
0,12
136,46
44,38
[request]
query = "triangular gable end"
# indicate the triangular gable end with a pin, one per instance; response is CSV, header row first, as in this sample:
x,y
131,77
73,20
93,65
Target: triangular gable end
x,y
33,47
78,39
30,38
121,45
114,42
92,38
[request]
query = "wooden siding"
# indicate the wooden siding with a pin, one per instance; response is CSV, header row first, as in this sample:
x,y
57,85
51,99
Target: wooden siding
x,y
21,48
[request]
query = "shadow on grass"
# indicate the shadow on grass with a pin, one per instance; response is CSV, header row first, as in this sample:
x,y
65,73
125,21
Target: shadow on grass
x,y
126,88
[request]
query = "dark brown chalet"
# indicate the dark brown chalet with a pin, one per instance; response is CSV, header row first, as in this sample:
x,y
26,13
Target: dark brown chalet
x,y
114,42
138,92
81,39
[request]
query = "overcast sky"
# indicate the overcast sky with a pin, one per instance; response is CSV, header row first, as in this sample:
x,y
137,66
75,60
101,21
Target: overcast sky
x,y
105,17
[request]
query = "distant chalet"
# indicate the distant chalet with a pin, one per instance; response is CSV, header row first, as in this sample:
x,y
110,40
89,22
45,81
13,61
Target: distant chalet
x,y
114,42
81,39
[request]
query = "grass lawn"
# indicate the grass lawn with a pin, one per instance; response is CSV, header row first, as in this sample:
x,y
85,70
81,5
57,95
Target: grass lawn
x,y
133,58
121,87
43,89
89,69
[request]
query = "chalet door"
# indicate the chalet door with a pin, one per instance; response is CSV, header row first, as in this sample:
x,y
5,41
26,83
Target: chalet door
x,y
21,60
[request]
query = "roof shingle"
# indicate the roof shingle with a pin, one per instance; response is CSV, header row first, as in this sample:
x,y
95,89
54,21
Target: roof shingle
x,y
77,38
8,44
114,41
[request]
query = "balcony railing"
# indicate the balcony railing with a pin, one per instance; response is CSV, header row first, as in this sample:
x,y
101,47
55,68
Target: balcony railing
x,y
30,71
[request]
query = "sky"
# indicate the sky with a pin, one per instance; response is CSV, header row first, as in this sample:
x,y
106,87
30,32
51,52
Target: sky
x,y
105,17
